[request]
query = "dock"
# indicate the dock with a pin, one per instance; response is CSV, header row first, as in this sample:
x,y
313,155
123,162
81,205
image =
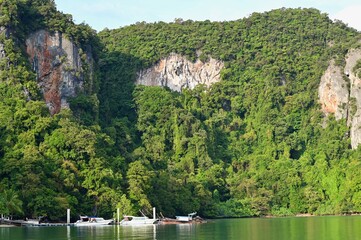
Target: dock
x,y
32,223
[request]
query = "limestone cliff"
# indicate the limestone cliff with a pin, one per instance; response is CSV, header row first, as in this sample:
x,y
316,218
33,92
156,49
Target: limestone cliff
x,y
57,63
334,92
355,96
176,72
340,94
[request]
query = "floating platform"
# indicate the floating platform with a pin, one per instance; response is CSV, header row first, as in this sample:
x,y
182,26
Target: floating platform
x,y
31,223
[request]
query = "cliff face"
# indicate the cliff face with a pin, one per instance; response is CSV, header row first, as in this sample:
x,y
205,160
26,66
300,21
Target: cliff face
x,y
176,72
355,97
340,94
58,66
334,92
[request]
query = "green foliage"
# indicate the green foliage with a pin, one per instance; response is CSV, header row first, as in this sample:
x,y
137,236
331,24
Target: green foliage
x,y
357,69
251,145
261,123
125,207
86,108
281,212
139,184
10,203
234,208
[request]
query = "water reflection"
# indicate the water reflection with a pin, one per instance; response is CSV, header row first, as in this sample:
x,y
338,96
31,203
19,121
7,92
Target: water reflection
x,y
68,235
91,232
311,228
4,232
137,232
185,230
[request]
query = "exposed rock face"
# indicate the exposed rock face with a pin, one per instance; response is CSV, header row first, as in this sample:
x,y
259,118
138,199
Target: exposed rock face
x,y
334,92
340,94
355,97
176,72
58,66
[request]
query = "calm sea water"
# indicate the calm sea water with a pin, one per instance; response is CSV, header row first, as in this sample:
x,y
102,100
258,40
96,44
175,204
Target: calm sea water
x,y
301,228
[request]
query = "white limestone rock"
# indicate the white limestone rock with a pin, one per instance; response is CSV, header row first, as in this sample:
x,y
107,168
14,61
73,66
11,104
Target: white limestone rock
x,y
176,72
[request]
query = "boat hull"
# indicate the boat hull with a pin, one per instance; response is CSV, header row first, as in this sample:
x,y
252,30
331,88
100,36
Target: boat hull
x,y
92,221
137,223
89,224
181,221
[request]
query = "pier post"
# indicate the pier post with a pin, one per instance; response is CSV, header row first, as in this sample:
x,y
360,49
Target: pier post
x,y
118,215
154,216
68,216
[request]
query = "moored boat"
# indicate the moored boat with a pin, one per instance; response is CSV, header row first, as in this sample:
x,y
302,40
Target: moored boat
x,y
139,221
27,222
182,219
92,221
134,221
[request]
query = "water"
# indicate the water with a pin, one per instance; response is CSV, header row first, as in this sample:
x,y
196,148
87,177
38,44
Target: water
x,y
301,228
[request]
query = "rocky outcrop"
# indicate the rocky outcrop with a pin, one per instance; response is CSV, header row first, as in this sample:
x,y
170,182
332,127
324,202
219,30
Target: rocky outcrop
x,y
334,92
355,96
176,72
57,63
340,94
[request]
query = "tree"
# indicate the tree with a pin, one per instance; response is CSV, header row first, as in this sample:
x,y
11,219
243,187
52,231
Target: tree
x,y
139,179
10,203
125,205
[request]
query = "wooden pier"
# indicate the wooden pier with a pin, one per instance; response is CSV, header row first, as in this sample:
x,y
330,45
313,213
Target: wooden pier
x,y
32,223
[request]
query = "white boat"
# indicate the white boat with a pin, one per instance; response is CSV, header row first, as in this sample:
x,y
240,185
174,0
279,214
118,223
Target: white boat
x,y
31,222
92,221
182,219
135,221
188,218
27,222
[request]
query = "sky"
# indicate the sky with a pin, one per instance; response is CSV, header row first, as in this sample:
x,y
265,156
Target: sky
x,y
100,14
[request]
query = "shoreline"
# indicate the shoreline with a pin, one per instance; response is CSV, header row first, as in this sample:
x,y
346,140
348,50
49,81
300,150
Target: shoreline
x,y
6,226
312,215
298,215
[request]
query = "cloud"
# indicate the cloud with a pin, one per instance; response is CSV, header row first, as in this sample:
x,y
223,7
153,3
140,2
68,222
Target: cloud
x,y
350,15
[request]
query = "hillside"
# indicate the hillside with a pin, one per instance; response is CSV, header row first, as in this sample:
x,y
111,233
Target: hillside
x,y
244,118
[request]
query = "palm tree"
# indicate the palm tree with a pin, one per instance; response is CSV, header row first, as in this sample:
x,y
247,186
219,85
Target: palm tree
x,y
10,202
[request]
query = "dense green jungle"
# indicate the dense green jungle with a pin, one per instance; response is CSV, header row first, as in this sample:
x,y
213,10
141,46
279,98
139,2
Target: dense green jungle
x,y
256,143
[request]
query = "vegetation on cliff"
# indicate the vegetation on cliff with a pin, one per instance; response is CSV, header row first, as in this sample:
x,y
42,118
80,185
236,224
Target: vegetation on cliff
x,y
251,145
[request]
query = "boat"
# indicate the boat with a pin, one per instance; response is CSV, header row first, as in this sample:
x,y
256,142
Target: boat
x,y
31,222
182,219
139,221
92,221
40,222
134,221
26,222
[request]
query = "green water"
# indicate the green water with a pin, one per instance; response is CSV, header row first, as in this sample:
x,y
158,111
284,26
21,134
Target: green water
x,y
318,228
